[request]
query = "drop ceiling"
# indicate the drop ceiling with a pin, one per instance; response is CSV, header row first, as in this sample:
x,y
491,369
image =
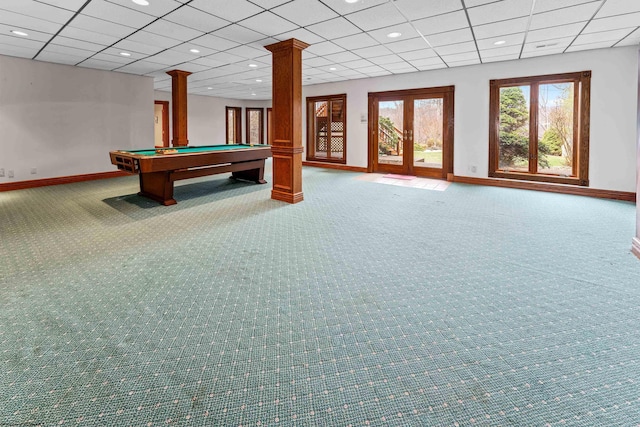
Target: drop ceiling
x,y
222,41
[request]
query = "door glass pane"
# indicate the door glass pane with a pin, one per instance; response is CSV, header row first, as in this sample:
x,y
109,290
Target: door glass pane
x,y
427,132
555,129
231,126
255,117
322,128
337,129
390,132
513,147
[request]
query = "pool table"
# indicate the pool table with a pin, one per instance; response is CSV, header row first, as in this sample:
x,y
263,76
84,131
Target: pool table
x,y
159,168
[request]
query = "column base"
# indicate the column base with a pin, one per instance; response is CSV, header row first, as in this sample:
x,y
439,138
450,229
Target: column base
x,y
635,246
287,197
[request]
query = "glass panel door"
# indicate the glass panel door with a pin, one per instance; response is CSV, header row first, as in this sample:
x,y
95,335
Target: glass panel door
x,y
390,132
427,133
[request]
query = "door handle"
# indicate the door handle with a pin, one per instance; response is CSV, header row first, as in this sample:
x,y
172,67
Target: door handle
x,y
411,135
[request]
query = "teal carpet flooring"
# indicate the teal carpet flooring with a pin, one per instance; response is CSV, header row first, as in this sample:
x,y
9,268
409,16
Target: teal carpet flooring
x,y
366,304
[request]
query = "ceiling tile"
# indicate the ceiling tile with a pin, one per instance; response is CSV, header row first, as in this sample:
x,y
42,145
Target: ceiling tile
x,y
324,48
451,37
418,9
406,31
360,63
509,40
268,23
500,51
72,5
356,41
602,37
463,63
376,17
586,46
156,8
142,67
79,44
512,26
334,28
443,23
225,57
387,59
341,57
407,45
552,45
21,42
499,11
426,61
630,20
170,29
418,54
268,4
318,62
152,39
305,12
196,19
29,23
372,51
248,52
100,26
128,45
457,48
498,58
564,16
344,8
238,34
188,46
66,50
401,67
90,36
547,5
618,7
555,32
209,62
18,51
59,58
240,10
5,31
214,42
302,35
36,10
474,3
111,12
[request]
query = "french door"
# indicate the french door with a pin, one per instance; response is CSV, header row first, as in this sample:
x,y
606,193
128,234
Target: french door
x,y
411,132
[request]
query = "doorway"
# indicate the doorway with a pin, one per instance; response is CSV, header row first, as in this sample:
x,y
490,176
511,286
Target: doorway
x,y
411,132
161,123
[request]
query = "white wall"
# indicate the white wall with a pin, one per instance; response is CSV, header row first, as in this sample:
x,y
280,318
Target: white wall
x,y
64,120
206,117
612,161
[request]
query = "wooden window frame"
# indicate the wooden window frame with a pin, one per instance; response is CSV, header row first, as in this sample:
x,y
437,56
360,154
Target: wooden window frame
x,y
247,122
238,125
311,100
581,105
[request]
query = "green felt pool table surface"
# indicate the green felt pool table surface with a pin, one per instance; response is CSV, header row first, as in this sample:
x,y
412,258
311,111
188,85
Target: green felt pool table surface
x,y
194,149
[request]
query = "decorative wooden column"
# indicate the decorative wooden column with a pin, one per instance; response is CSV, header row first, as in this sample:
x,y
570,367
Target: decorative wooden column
x,y
179,107
286,147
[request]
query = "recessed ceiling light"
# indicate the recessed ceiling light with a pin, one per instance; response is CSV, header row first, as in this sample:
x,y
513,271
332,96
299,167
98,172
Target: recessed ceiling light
x,y
253,94
499,42
209,88
394,35
351,1
141,2
332,69
125,54
19,33
253,65
194,51
259,80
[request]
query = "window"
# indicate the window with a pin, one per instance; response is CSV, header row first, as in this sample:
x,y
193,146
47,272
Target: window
x,y
539,128
327,128
234,125
255,125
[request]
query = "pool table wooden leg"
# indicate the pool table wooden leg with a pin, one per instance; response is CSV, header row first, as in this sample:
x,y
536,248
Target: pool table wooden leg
x,y
157,186
255,175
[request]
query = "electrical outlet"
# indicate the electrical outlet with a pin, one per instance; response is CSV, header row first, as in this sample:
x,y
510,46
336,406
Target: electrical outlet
x,y
2,172
473,169
10,173
34,171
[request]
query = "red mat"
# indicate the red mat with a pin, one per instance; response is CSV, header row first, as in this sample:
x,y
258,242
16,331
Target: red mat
x,y
394,176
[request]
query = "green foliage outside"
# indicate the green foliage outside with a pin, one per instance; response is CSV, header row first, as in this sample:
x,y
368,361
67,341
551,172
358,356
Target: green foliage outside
x,y
553,141
514,130
388,138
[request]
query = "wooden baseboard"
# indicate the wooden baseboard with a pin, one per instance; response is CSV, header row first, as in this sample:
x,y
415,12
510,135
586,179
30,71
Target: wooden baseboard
x,y
335,166
551,188
635,246
21,185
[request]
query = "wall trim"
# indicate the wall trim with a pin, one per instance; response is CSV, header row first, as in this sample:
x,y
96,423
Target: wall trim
x,y
635,246
551,188
335,166
20,185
